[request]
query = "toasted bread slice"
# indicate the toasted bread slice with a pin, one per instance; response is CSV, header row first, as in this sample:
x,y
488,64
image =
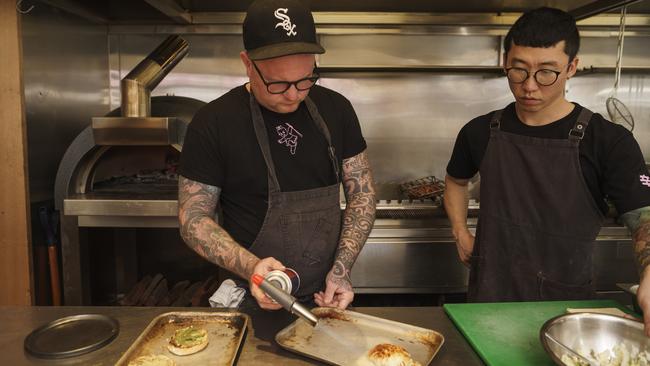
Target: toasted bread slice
x,y
150,360
387,354
187,341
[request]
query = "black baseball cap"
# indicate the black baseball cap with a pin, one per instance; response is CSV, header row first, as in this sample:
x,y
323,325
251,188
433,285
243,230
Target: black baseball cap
x,y
274,28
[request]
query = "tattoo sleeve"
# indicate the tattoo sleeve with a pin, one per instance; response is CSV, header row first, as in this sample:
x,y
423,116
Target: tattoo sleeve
x,y
196,206
638,222
359,215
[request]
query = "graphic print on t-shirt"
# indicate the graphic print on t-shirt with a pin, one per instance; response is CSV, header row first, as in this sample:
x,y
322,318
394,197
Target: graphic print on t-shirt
x,y
645,180
288,136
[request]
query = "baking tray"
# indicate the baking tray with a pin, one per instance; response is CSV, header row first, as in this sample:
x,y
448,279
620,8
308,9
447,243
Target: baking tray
x,y
344,337
72,336
226,331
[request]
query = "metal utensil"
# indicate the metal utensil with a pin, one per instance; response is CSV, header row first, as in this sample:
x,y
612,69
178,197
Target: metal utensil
x,y
589,361
616,109
287,301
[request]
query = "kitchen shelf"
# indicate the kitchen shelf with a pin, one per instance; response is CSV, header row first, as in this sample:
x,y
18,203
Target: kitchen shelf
x,y
612,70
408,68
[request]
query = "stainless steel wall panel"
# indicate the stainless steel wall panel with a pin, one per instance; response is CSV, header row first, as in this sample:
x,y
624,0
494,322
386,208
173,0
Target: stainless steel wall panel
x,y
65,73
410,119
592,91
414,50
211,68
602,52
403,265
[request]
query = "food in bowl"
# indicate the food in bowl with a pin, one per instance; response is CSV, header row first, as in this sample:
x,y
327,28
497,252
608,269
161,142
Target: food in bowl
x,y
619,355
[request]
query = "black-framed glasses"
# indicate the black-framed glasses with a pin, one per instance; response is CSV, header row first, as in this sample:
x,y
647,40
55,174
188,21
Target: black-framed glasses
x,y
544,77
279,87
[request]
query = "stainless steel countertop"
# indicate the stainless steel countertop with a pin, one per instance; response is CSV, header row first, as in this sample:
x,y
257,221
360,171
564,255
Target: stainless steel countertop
x,y
258,349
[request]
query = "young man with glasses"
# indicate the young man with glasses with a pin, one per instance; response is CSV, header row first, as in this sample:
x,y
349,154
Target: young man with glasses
x,y
547,166
273,153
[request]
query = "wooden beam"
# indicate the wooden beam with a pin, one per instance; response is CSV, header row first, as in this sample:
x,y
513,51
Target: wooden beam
x,y
15,241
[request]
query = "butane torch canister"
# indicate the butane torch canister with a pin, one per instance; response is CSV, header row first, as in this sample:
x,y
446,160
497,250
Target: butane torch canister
x,y
287,279
286,300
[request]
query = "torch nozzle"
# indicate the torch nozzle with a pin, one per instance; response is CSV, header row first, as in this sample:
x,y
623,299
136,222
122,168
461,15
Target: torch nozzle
x,y
286,300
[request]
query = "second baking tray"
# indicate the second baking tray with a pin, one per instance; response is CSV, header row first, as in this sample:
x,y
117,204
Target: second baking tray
x,y
225,335
344,337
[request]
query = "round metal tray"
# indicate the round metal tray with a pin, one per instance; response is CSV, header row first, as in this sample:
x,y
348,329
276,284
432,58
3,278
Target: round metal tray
x,y
72,336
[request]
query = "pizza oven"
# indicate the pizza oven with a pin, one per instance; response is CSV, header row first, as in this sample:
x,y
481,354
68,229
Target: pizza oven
x,y
120,171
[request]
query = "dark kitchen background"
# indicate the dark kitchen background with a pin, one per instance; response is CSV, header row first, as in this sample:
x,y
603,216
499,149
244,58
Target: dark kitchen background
x,y
415,71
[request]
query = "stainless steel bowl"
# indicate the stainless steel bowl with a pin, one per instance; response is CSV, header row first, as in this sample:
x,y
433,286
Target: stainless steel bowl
x,y
590,331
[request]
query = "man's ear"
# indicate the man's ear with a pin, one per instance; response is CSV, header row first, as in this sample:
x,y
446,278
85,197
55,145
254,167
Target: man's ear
x,y
243,55
573,67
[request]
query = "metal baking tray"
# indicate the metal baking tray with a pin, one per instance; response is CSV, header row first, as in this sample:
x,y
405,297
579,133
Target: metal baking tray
x,y
226,331
344,337
72,336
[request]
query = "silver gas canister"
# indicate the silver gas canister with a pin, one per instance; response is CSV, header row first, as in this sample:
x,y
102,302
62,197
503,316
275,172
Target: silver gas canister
x,y
287,280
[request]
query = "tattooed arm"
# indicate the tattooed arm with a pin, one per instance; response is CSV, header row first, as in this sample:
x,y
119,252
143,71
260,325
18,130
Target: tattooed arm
x,y
638,221
358,219
196,206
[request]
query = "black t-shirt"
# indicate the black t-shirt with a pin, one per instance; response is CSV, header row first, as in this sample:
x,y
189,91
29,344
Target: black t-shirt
x,y
611,160
221,150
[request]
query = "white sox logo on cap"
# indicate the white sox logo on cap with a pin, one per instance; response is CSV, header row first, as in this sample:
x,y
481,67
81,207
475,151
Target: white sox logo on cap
x,y
281,13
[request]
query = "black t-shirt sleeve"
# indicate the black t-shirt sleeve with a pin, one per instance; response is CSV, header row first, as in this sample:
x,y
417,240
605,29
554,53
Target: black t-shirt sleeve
x,y
462,164
200,159
623,176
353,141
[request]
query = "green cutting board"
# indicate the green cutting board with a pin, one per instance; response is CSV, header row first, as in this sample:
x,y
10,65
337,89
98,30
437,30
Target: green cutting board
x,y
507,334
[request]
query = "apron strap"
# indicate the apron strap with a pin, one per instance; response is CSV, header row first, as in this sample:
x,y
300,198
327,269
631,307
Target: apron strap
x,y
263,141
578,131
322,126
495,121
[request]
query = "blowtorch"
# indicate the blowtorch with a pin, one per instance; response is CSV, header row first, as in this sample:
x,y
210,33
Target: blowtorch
x,y
286,300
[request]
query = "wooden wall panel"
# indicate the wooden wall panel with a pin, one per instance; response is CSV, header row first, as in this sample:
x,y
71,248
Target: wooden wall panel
x,y
15,253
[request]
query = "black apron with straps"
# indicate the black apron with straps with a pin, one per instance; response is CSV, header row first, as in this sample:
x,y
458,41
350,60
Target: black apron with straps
x,y
538,220
301,228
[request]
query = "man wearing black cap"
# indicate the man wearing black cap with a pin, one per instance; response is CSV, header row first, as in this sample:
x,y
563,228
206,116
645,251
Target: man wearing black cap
x,y
273,153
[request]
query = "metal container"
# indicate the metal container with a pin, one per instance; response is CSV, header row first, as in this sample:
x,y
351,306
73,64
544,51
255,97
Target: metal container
x,y
586,332
286,280
226,332
344,337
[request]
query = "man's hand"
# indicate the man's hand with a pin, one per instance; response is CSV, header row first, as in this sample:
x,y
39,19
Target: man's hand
x,y
263,267
643,298
465,246
338,290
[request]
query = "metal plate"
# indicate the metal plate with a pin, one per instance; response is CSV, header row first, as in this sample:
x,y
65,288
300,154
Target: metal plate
x,y
72,336
226,332
344,337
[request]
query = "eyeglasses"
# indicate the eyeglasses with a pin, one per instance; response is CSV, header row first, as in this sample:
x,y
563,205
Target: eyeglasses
x,y
279,87
544,77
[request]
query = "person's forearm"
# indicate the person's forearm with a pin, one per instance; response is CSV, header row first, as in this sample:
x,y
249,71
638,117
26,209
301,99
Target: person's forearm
x,y
456,199
201,233
359,214
638,222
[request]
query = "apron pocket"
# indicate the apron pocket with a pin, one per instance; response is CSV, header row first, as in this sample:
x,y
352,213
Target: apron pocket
x,y
556,290
318,247
310,238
